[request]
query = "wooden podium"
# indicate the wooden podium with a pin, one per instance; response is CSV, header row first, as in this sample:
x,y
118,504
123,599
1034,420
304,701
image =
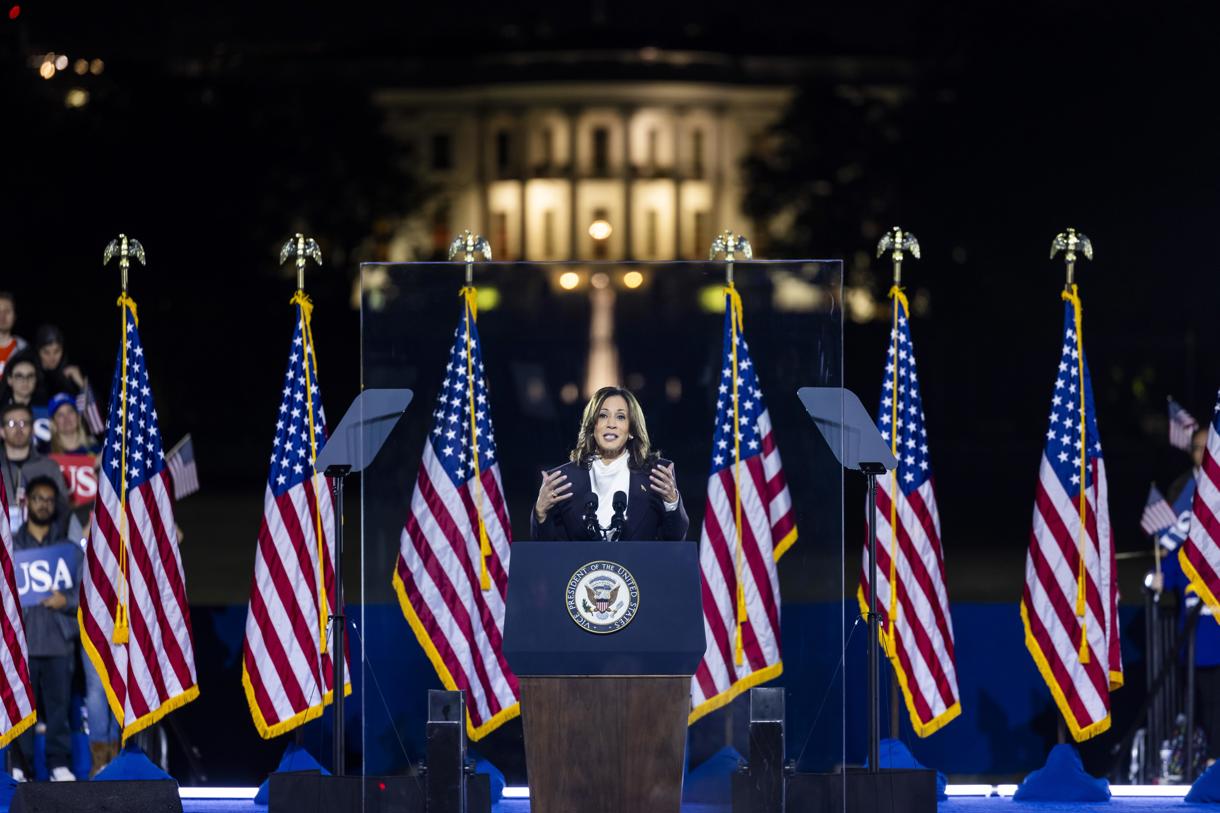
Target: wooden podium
x,y
604,638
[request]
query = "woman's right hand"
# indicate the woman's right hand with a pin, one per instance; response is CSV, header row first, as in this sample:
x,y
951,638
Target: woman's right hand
x,y
554,490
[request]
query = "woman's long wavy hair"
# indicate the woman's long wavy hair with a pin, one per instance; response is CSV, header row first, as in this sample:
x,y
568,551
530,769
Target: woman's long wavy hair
x,y
638,446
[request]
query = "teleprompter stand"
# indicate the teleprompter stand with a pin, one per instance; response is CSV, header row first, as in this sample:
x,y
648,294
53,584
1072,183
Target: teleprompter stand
x,y
849,431
351,448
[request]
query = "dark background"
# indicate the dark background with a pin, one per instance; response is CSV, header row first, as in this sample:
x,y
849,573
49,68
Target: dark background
x,y
216,130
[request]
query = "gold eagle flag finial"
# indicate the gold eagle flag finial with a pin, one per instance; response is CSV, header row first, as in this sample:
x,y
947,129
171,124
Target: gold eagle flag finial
x,y
302,248
1071,243
898,243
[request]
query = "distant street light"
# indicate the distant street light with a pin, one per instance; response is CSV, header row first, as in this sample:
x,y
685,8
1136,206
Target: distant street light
x,y
569,280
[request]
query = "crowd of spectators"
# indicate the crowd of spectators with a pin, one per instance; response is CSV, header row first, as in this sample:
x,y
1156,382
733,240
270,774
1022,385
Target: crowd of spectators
x,y
48,464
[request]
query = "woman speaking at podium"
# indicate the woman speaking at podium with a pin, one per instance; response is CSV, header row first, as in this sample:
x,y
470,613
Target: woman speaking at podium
x,y
615,485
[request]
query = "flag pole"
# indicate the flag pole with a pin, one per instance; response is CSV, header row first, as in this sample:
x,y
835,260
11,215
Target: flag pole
x,y
897,242
468,244
730,244
304,248
1070,242
125,248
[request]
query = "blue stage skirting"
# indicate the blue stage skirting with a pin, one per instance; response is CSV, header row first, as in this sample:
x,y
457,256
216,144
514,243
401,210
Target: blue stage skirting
x,y
979,805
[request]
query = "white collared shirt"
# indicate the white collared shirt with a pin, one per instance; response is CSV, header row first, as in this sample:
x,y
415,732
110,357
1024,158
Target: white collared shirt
x,y
606,479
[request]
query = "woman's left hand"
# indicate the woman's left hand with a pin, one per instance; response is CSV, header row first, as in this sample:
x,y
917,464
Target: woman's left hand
x,y
664,482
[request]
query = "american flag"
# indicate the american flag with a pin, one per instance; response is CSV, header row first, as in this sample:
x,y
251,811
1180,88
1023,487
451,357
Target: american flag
x,y
287,669
1070,602
134,619
452,569
1182,426
1158,515
182,471
16,699
916,628
744,533
86,405
1200,553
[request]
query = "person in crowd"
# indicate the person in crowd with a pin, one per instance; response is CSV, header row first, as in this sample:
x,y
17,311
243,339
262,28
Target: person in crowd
x,y
50,633
1207,632
20,462
10,343
22,381
613,454
68,435
57,374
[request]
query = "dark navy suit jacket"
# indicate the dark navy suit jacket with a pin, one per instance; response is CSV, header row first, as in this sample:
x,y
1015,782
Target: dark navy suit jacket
x,y
647,519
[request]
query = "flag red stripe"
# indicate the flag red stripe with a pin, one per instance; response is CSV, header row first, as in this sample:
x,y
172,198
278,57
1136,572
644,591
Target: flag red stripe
x,y
1066,616
302,629
487,622
1069,545
922,578
450,658
440,578
284,672
1058,671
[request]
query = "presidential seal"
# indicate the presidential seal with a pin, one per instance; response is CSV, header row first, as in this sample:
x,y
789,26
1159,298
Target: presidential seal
x,y
602,597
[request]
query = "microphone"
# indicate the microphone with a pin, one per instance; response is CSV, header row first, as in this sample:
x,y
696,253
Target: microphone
x,y
616,522
593,529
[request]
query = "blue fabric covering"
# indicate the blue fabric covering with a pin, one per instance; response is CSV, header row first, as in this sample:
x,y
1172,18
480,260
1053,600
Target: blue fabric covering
x,y
8,786
711,782
1062,780
295,759
497,776
895,754
131,764
1207,787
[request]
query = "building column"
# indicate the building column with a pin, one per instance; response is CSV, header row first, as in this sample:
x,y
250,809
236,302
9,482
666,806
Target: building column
x,y
718,181
573,177
676,118
625,174
518,157
482,188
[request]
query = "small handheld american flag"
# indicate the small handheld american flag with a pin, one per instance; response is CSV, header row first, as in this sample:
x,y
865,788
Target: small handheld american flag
x,y
181,462
1158,516
1182,426
86,405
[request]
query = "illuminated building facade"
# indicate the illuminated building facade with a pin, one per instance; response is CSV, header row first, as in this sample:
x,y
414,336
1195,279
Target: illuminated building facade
x,y
579,169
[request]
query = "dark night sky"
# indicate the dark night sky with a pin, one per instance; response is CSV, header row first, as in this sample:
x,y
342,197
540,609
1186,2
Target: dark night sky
x,y
1053,114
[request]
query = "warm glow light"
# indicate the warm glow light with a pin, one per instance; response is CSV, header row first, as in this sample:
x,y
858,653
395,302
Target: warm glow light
x,y
81,66
46,70
76,97
600,229
96,67
569,280
633,279
600,280
711,298
487,298
61,62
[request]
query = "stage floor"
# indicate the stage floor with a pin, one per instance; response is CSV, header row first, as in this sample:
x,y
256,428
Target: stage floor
x,y
991,804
